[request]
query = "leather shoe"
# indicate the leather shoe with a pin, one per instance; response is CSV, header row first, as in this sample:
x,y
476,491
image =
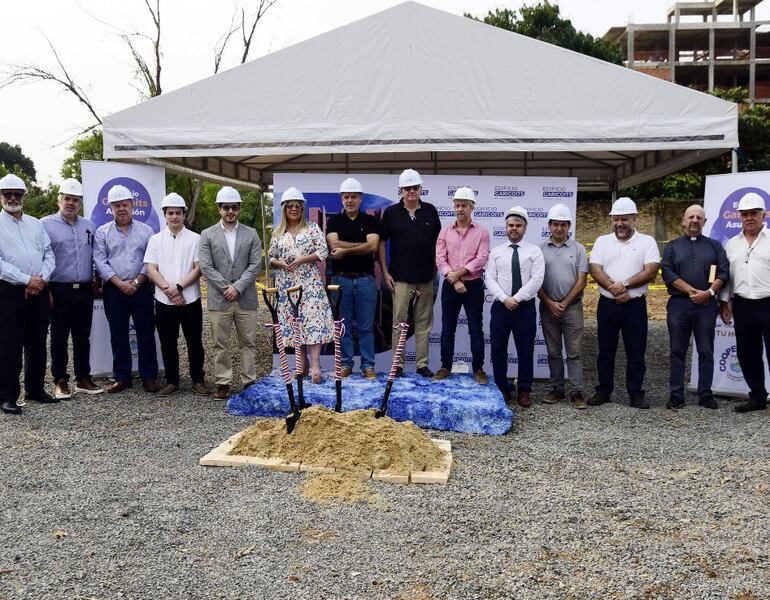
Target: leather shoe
x,y
709,402
508,399
524,399
425,372
369,373
750,406
675,403
442,373
222,392
598,399
638,400
61,390
10,407
88,386
42,397
554,396
150,386
577,400
168,390
346,372
480,377
119,386
200,389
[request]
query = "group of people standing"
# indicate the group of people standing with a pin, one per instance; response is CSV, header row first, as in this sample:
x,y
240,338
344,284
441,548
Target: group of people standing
x,y
51,269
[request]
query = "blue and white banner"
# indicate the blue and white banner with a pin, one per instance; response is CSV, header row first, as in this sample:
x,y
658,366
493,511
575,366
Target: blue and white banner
x,y
494,195
148,185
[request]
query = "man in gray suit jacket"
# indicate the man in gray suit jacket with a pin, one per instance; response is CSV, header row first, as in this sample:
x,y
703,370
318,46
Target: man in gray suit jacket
x,y
229,255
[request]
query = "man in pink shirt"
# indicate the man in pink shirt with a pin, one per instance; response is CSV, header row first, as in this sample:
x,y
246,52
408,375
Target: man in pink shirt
x,y
462,249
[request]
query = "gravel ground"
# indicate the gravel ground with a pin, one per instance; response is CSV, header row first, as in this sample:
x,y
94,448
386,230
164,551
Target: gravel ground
x,y
103,498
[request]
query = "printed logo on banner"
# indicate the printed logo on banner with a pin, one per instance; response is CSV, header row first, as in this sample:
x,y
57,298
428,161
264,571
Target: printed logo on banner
x,y
488,212
508,191
557,192
728,221
143,210
729,365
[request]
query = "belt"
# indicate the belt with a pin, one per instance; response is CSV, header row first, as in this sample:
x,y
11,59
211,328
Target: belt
x,y
642,297
350,275
75,285
757,300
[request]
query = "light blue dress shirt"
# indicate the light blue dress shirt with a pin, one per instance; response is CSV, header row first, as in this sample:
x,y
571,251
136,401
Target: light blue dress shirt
x,y
72,245
25,249
121,254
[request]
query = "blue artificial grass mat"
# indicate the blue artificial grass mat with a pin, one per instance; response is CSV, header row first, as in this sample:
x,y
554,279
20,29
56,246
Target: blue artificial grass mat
x,y
457,403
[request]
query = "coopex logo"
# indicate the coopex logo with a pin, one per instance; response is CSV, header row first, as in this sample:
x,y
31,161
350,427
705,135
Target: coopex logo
x,y
729,365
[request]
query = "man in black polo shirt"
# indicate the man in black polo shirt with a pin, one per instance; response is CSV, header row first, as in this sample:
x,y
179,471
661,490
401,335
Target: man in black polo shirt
x,y
353,237
412,227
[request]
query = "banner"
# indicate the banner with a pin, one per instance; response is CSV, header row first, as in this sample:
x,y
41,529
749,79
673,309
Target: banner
x,y
723,222
494,195
148,185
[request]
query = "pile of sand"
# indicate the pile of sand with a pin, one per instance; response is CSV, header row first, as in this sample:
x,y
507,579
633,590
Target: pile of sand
x,y
351,441
338,487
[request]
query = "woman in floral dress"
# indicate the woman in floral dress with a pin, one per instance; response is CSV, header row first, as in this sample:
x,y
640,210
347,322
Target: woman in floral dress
x,y
295,249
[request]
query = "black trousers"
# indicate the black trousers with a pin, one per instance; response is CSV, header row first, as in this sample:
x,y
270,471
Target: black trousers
x,y
168,319
72,312
24,327
630,320
752,329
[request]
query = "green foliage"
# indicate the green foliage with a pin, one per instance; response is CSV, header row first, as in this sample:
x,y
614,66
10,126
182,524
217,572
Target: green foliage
x,y
543,22
12,156
84,148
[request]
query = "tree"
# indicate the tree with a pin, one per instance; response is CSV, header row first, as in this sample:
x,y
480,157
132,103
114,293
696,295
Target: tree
x,y
543,22
12,156
88,147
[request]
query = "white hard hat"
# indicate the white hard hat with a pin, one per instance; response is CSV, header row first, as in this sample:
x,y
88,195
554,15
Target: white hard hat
x,y
751,201
409,178
559,212
12,182
173,200
228,194
517,211
292,194
118,193
623,206
351,186
464,193
71,187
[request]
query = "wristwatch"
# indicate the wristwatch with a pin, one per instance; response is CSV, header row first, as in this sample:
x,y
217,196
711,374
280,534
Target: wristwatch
x,y
179,288
136,283
712,292
625,283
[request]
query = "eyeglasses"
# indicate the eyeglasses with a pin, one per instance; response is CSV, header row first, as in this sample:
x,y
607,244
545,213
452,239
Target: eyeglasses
x,y
13,195
411,188
296,206
230,208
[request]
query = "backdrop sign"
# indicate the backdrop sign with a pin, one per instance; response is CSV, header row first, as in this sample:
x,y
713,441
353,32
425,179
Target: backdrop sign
x,y
723,222
148,186
494,195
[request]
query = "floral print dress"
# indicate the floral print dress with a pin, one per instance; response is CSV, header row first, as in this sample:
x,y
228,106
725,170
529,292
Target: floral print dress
x,y
317,326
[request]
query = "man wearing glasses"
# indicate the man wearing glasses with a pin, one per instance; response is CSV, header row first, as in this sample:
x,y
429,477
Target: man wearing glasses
x,y
26,264
412,226
72,291
747,297
229,254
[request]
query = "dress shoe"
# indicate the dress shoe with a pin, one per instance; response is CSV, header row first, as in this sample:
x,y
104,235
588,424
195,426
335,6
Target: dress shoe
x,y
88,386
708,402
168,390
119,386
675,403
346,372
524,399
598,399
750,406
638,400
508,399
10,407
425,372
577,400
222,393
200,389
442,373
399,371
369,373
554,396
150,386
42,397
61,390
480,377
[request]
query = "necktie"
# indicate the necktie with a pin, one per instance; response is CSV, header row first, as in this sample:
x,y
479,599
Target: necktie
x,y
515,270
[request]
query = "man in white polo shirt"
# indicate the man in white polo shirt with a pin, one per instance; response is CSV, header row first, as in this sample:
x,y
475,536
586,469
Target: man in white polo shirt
x,y
172,265
623,263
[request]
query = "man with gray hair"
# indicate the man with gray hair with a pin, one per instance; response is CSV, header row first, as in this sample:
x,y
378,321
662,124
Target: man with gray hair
x,y
694,268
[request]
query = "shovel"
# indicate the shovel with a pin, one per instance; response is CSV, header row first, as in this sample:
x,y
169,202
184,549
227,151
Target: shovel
x,y
299,356
339,331
292,418
404,326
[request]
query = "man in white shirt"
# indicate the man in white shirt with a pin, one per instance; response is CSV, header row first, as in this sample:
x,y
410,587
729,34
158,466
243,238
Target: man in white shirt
x,y
514,273
747,297
623,263
172,265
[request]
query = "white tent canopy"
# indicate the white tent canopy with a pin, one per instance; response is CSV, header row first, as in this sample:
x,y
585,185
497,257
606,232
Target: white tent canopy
x,y
417,87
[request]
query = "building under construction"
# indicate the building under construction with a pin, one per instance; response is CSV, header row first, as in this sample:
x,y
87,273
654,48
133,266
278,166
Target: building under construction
x,y
704,45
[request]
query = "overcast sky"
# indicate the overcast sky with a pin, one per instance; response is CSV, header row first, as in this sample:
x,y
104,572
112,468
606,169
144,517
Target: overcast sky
x,y
44,120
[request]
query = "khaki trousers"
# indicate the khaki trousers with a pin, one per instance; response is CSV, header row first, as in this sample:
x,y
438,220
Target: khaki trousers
x,y
423,317
246,329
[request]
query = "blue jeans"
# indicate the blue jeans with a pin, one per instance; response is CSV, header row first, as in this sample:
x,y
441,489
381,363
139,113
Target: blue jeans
x,y
684,319
357,304
630,319
473,303
523,325
118,308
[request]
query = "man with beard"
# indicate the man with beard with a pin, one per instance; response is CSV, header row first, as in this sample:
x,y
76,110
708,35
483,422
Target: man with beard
x,y
694,268
26,264
747,298
623,263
